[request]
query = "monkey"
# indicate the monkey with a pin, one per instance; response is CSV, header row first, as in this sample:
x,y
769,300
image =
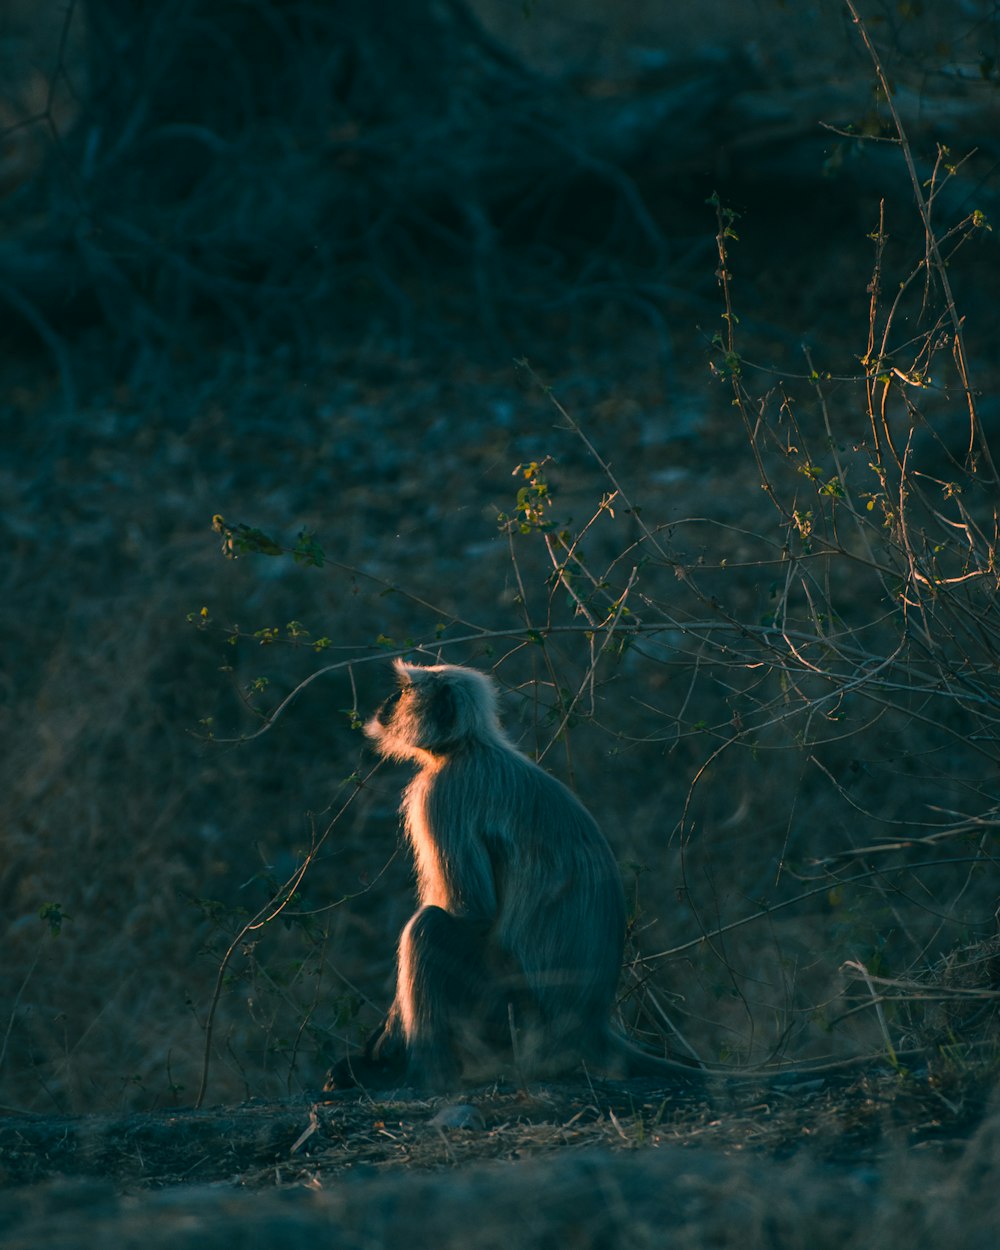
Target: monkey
x,y
515,951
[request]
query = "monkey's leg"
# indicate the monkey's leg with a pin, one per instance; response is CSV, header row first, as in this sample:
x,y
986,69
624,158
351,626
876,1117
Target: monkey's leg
x,y
446,994
442,988
387,1045
380,1063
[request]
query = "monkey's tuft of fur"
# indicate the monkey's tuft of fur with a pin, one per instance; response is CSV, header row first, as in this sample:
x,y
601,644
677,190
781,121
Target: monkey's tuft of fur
x,y
512,959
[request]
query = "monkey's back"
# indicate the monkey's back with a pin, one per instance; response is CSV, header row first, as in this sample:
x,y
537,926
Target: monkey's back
x,y
503,828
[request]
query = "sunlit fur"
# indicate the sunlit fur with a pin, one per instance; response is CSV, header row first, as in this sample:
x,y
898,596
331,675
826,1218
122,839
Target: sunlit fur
x,y
522,914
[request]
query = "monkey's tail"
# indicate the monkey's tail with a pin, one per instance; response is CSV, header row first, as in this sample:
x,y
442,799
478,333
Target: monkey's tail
x,y
633,1061
624,1059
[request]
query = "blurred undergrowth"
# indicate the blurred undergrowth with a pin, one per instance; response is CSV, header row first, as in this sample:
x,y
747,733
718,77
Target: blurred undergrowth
x,y
764,650
837,654
831,664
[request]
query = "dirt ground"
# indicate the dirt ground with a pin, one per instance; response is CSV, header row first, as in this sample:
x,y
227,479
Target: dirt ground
x,y
814,1160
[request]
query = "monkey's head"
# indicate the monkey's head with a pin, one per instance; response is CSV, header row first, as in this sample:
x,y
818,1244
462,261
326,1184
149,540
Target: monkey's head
x,y
437,709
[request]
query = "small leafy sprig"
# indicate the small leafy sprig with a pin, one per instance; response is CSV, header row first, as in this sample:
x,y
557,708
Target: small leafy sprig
x,y
240,539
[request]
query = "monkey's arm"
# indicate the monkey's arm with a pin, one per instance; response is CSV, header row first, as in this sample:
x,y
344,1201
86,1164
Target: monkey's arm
x,y
459,863
473,874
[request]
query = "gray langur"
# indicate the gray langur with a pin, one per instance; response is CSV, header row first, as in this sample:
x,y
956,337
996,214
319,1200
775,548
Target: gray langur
x,y
515,951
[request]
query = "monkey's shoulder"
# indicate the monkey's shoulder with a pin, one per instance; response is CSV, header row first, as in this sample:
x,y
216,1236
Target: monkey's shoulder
x,y
498,768
499,789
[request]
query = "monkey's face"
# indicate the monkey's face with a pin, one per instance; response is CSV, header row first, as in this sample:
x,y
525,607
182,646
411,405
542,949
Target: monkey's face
x,y
436,711
387,708
395,727
408,724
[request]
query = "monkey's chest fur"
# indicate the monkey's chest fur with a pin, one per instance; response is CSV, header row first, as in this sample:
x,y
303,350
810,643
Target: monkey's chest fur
x,y
499,842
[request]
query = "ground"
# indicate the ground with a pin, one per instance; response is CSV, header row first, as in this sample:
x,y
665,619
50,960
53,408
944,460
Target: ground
x,y
821,1159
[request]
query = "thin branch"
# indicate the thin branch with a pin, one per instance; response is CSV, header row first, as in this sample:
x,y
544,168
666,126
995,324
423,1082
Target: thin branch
x,y
834,883
268,913
960,355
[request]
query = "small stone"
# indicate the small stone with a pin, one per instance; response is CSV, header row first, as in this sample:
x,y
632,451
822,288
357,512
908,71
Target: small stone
x,y
459,1115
